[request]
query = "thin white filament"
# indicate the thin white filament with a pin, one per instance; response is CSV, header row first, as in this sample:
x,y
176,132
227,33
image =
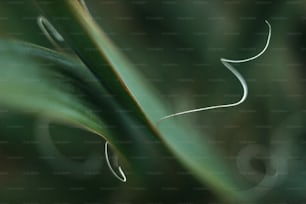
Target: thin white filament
x,y
240,78
123,178
47,27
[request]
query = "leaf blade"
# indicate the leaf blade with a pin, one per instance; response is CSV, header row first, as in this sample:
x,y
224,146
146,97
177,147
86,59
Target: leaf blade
x,y
137,91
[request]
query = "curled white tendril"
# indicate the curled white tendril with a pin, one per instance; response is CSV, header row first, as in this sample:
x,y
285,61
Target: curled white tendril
x,y
123,178
244,85
47,27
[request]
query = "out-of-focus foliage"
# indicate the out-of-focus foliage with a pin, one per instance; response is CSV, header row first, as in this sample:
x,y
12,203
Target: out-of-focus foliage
x,y
177,46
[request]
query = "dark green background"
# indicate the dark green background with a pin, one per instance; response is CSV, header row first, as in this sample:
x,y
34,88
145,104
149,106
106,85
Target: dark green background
x,y
177,45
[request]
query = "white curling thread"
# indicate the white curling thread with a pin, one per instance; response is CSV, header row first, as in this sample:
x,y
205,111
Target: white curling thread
x,y
45,25
123,179
244,85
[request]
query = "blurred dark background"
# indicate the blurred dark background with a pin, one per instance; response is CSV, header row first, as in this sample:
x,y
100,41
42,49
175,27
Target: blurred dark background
x,y
177,45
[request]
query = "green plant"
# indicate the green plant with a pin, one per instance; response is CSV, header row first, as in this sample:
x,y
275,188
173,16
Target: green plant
x,y
90,83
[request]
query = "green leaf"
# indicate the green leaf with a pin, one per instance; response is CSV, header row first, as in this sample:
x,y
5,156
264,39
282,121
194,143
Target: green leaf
x,y
120,77
37,80
58,86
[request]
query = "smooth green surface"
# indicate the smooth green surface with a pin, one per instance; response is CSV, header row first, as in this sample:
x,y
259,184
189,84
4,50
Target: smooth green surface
x,y
174,46
93,48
